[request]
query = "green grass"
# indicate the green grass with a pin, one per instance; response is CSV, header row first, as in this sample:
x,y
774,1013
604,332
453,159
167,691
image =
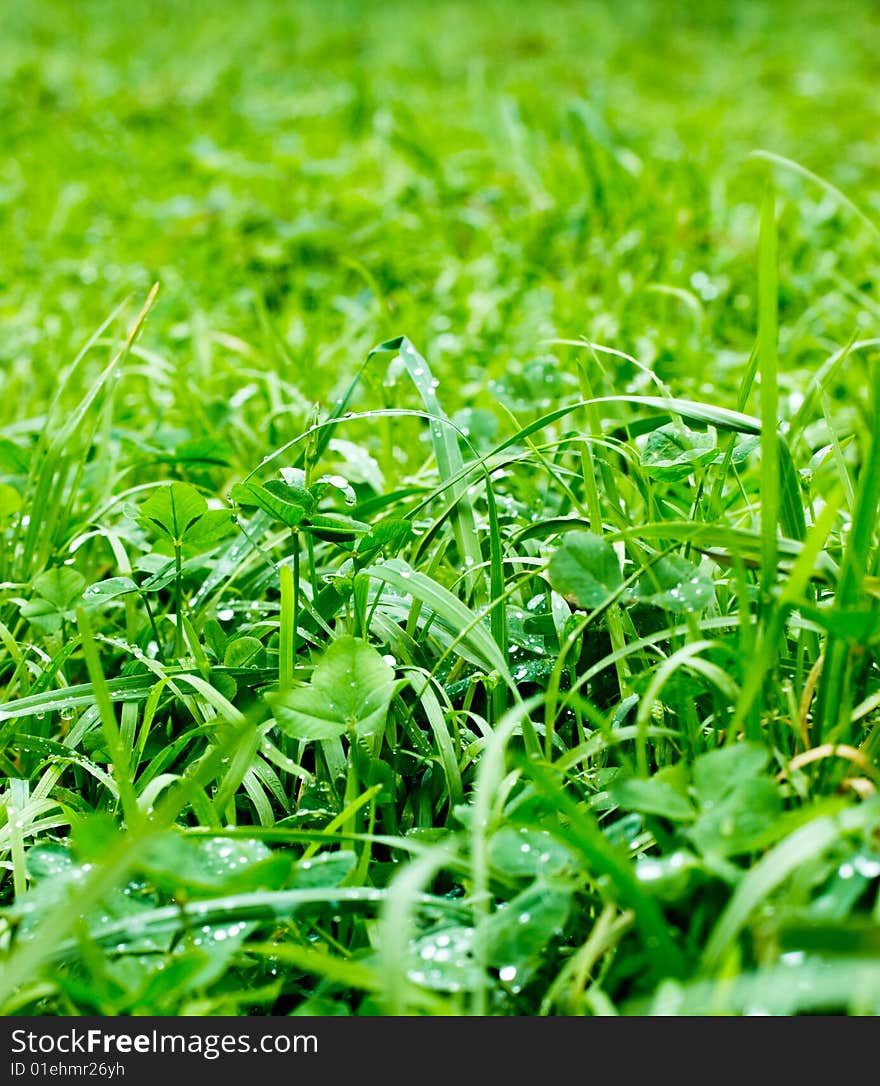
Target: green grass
x,y
404,609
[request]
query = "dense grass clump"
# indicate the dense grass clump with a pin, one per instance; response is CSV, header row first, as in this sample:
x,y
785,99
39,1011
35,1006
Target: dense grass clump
x,y
446,582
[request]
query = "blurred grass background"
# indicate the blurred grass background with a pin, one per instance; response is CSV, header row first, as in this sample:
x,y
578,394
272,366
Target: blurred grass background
x,y
311,177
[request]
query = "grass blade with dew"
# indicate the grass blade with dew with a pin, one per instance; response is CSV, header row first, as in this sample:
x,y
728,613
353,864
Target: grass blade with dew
x,y
795,167
121,758
834,700
459,618
52,475
768,302
447,454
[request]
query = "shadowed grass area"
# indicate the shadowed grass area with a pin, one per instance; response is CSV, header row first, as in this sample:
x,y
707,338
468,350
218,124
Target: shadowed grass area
x,y
438,508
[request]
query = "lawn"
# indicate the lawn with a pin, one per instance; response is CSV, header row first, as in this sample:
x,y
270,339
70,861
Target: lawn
x,y
439,484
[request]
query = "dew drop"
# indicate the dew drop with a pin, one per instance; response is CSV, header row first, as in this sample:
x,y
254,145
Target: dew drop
x,y
867,867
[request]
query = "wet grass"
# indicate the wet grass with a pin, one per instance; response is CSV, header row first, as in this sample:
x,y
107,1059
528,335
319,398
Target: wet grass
x,y
452,589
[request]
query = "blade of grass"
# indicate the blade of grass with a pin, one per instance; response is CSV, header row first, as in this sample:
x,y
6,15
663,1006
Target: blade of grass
x,y
835,695
120,757
768,301
446,451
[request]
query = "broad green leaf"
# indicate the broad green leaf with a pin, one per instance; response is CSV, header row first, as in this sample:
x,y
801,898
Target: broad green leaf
x,y
676,585
62,882
205,450
668,877
61,587
166,978
673,451
390,533
738,821
310,716
48,861
335,526
109,589
533,669
280,508
174,861
527,852
42,615
224,684
478,425
586,570
513,936
173,509
842,890
351,690
10,501
292,488
325,869
652,796
803,985
808,842
580,831
13,459
318,803
444,960
207,531
719,771
244,652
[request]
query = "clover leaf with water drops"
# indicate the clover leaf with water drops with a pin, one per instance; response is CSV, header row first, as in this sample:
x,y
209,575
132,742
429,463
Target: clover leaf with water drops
x,y
517,935
181,518
350,692
289,501
675,584
673,451
57,593
585,570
